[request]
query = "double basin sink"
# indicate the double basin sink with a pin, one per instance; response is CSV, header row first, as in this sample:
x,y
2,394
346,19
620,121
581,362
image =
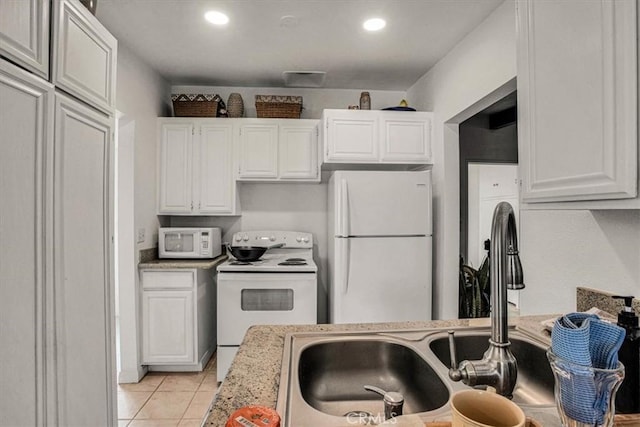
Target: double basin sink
x,y
324,374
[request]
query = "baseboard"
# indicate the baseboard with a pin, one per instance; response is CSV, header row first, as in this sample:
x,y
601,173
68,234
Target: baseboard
x,y
132,376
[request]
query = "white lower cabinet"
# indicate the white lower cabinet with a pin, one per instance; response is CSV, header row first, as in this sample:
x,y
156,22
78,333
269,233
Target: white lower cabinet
x,y
178,318
168,326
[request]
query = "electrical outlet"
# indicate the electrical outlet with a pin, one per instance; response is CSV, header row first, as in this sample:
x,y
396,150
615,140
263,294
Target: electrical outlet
x,y
141,233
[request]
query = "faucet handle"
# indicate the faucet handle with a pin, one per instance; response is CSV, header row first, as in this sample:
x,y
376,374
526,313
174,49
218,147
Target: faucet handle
x,y
455,373
452,349
393,401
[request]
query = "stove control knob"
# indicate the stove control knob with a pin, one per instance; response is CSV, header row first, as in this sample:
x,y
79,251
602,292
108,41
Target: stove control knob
x,y
238,237
272,238
245,237
298,239
305,239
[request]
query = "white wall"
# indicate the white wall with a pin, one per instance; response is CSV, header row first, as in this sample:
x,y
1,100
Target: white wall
x,y
142,96
313,100
562,249
478,71
272,206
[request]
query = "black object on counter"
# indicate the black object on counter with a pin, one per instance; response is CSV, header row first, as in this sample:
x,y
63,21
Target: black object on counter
x,y
250,253
628,395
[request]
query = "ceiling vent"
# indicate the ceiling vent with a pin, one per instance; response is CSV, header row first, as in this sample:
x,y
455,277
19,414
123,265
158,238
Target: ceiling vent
x,y
303,78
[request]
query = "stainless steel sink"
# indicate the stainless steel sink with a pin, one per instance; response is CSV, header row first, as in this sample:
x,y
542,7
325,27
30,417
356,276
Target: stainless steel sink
x,y
332,375
323,374
535,378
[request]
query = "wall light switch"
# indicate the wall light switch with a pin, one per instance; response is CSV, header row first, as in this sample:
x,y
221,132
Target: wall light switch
x,y
141,235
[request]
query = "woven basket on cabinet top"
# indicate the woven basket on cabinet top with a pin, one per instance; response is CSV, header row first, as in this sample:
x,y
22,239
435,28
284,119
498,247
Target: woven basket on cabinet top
x,y
194,105
278,107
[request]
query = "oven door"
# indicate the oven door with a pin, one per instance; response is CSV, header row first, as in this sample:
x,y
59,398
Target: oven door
x,y
247,299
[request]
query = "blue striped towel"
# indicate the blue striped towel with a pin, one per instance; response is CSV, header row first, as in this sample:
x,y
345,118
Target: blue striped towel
x,y
582,341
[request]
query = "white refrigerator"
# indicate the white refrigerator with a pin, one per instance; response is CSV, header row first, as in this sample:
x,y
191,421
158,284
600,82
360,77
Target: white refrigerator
x,y
379,246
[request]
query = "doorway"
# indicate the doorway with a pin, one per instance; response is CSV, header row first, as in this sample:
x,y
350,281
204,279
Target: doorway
x,y
488,156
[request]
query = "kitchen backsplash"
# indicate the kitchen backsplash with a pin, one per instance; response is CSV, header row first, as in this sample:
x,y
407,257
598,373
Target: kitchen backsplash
x,y
147,255
587,298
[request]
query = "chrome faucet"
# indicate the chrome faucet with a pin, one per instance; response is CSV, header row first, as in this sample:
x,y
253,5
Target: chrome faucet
x,y
498,367
393,401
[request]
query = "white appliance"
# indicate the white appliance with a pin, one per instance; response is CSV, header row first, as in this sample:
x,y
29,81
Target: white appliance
x,y
379,246
189,242
280,288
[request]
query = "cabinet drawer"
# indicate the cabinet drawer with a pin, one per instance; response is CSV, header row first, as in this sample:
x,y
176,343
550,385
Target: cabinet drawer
x,y
168,279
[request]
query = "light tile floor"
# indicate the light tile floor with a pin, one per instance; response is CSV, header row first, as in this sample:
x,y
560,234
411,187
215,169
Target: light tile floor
x,y
168,399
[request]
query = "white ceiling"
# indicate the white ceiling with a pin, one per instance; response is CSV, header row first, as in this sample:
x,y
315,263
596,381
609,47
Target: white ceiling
x,y
254,48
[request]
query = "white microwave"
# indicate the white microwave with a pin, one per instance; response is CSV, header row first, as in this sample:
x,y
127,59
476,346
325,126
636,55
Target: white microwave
x,y
189,242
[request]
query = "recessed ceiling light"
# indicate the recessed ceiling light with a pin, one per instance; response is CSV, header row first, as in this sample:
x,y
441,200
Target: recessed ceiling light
x,y
216,18
374,24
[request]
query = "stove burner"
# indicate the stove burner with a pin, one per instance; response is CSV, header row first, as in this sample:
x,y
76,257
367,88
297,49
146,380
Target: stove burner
x,y
240,263
296,259
289,262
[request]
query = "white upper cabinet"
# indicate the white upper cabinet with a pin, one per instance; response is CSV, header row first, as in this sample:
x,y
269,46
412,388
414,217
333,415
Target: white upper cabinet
x,y
24,34
351,136
577,100
175,165
358,136
298,151
258,157
195,168
405,139
85,54
215,184
278,150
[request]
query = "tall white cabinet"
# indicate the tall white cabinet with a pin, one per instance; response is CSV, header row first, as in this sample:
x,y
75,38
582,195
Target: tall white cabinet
x,y
26,148
84,296
56,295
577,100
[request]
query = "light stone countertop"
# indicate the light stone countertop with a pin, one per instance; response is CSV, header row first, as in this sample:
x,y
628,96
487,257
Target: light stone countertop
x,y
204,264
254,376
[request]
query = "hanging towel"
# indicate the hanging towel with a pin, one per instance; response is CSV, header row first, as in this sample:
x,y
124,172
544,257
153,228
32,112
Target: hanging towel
x,y
582,341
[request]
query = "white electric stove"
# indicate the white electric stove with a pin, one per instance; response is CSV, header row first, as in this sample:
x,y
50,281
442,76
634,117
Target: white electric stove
x,y
279,288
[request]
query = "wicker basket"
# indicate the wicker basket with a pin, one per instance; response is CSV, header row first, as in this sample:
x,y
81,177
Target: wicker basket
x,y
194,105
278,107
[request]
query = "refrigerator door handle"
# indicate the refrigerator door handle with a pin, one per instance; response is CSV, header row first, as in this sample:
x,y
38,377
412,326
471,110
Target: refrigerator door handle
x,y
345,264
344,208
